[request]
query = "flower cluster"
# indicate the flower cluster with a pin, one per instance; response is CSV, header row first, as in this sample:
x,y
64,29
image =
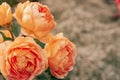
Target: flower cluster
x,y
34,50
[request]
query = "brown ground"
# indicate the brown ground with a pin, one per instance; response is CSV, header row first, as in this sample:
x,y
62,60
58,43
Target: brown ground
x,y
88,24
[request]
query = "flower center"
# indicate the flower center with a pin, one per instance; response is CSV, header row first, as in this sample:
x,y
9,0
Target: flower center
x,y
42,9
22,62
47,16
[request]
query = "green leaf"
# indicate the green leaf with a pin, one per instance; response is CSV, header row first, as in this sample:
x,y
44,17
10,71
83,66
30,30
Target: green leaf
x,y
4,37
3,78
1,28
43,76
46,76
8,38
40,43
53,78
10,2
16,29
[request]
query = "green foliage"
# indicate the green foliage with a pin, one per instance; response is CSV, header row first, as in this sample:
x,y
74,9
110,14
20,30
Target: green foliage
x,y
16,29
40,43
4,37
46,76
3,78
11,2
109,1
43,76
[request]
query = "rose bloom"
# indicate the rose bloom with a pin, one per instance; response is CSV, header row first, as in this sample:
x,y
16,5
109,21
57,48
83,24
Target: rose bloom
x,y
117,1
23,59
35,18
61,55
6,33
5,14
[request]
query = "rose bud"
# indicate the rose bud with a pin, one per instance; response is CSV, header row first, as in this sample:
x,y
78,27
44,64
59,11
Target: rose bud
x,y
5,14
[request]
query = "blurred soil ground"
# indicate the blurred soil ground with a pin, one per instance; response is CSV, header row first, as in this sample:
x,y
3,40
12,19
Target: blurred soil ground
x,y
88,24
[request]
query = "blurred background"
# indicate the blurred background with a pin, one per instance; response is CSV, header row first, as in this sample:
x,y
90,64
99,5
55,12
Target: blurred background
x,y
89,24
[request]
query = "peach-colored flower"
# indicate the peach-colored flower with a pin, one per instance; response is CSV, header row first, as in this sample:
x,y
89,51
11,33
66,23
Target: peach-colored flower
x,y
6,33
35,18
5,14
61,55
23,60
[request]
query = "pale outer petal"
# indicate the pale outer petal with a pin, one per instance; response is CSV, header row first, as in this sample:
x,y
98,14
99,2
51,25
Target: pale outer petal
x,y
27,18
3,48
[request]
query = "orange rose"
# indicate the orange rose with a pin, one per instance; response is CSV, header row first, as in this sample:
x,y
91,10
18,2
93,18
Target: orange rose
x,y
61,56
35,18
5,14
6,33
23,60
3,46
